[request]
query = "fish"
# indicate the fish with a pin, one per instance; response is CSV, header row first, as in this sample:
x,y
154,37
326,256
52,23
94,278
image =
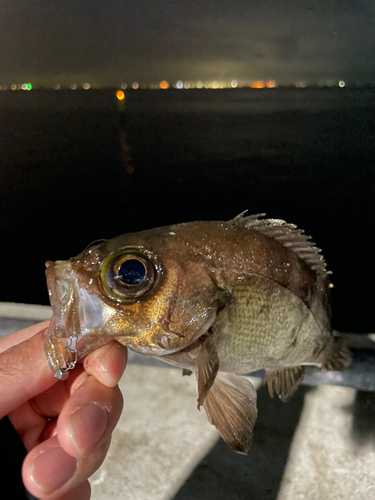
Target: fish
x,y
219,299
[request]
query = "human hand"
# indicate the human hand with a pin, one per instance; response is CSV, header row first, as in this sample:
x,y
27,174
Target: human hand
x,y
66,426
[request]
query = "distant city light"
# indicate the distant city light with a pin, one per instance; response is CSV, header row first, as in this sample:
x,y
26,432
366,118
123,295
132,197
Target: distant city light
x,y
13,86
179,84
301,84
188,85
135,85
341,83
259,84
234,84
73,86
120,95
57,86
29,86
86,86
199,84
164,85
23,86
124,86
271,84
222,85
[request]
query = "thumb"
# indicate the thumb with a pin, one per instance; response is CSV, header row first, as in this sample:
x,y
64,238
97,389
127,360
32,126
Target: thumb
x,y
24,373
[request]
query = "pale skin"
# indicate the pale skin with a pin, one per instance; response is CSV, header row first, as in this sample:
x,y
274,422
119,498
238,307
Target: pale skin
x,y
66,427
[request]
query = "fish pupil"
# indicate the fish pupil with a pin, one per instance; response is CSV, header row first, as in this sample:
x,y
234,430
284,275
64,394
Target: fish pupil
x,y
131,272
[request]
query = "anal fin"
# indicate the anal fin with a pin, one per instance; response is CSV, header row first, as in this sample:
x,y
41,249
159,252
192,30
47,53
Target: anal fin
x,y
208,366
284,381
231,407
340,357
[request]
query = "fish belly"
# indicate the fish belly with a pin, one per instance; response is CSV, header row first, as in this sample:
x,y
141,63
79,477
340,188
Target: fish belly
x,y
266,326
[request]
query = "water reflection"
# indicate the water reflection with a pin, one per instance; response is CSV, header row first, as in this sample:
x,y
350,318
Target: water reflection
x,y
124,142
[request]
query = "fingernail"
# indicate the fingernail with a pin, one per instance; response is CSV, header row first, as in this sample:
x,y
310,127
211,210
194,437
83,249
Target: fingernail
x,y
52,468
87,426
104,369
117,365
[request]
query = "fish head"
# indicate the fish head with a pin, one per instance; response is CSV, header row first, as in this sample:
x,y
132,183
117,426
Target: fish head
x,y
150,291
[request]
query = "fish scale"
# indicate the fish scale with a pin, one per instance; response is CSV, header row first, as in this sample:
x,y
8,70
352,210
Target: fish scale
x,y
265,326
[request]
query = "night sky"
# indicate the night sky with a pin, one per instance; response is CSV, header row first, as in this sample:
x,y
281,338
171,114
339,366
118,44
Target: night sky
x,y
108,41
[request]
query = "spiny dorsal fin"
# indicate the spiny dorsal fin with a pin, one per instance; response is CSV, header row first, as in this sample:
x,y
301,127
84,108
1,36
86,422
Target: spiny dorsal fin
x,y
284,381
288,235
231,407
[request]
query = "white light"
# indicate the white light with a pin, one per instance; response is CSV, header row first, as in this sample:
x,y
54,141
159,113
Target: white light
x,y
57,86
341,83
179,84
73,86
86,86
135,85
124,86
234,84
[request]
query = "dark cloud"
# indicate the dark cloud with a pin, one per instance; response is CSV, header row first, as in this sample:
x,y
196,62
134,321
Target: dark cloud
x,y
115,39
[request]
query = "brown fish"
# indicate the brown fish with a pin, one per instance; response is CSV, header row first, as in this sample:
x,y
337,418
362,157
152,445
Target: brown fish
x,y
218,299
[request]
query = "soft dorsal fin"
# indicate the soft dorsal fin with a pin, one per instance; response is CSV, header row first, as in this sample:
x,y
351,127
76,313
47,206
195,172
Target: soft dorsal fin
x,y
288,235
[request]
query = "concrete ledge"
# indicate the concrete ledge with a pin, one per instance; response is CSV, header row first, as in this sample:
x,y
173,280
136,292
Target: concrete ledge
x,y
25,311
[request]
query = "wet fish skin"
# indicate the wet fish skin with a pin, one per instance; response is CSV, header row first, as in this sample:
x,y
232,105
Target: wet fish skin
x,y
228,297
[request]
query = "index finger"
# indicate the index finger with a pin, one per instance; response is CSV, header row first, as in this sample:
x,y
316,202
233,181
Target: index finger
x,y
24,373
22,335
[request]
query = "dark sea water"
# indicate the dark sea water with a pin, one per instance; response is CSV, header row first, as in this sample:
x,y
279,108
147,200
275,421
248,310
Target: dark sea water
x,y
76,166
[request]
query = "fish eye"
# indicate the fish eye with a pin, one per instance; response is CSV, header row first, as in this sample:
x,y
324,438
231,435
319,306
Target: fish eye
x,y
127,275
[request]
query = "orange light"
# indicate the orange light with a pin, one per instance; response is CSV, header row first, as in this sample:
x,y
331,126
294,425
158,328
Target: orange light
x,y
120,95
164,85
258,84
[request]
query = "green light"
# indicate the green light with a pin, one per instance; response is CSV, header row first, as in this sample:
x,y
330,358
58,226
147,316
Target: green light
x,y
29,86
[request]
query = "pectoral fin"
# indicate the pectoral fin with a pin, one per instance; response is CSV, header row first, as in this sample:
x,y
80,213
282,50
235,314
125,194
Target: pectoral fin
x,y
231,407
208,366
284,381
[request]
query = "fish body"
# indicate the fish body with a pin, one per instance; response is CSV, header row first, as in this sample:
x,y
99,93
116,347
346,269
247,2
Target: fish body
x,y
215,298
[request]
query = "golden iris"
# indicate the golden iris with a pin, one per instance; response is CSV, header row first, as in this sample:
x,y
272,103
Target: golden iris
x,y
127,275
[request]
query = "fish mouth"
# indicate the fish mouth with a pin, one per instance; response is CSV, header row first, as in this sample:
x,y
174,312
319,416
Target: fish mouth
x,y
63,298
76,311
